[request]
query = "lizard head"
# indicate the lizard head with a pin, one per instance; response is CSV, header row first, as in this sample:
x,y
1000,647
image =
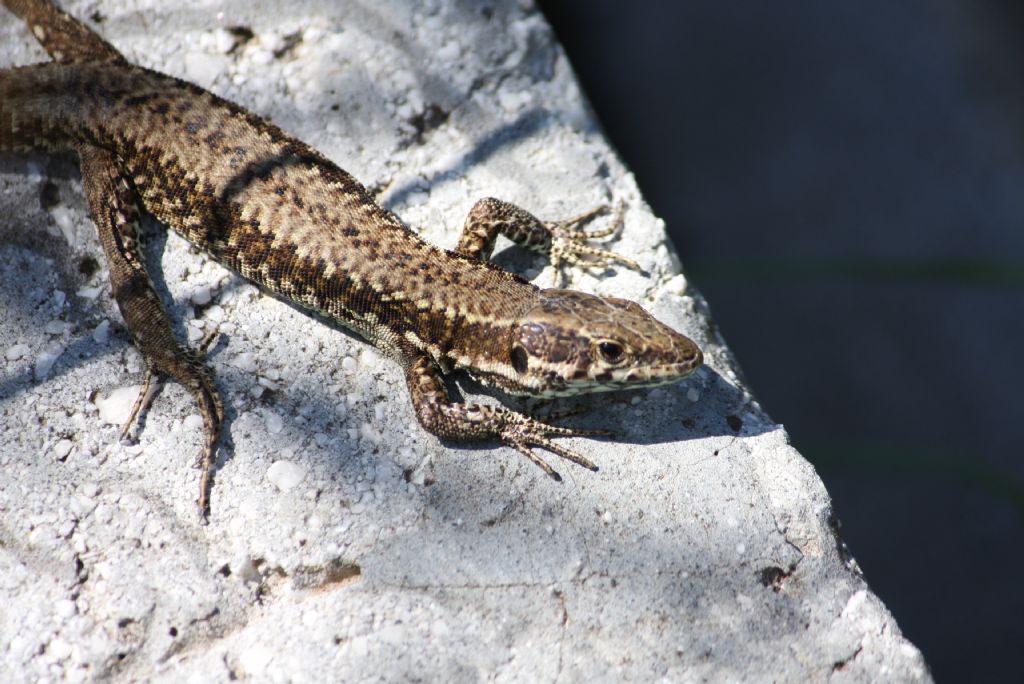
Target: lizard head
x,y
571,343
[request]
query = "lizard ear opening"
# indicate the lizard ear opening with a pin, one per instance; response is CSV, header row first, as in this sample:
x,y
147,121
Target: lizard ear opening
x,y
518,358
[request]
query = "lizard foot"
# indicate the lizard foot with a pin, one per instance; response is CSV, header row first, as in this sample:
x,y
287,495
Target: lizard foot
x,y
212,409
569,242
521,432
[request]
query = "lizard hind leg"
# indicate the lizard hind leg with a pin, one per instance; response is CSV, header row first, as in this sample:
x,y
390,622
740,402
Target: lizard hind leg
x,y
113,210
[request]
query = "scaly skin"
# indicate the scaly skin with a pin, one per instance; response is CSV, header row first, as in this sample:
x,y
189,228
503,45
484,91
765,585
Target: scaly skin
x,y
279,213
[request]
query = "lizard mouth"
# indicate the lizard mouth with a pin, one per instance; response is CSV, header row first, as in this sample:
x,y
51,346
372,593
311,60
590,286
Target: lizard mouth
x,y
651,376
652,380
633,378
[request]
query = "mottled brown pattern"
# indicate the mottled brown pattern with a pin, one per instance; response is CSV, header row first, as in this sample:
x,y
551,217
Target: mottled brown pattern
x,y
279,213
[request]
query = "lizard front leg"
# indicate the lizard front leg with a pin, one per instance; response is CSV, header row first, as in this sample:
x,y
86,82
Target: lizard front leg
x,y
113,210
477,422
561,240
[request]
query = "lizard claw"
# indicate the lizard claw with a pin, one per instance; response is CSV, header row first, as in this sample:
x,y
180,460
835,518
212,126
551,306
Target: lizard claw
x,y
522,432
569,243
141,405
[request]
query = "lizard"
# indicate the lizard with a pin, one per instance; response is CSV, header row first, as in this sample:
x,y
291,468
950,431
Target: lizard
x,y
282,215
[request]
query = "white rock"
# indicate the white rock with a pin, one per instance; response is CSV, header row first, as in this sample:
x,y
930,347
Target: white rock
x,y
268,383
449,51
62,448
225,41
272,41
65,220
58,649
80,505
89,293
64,608
55,328
245,569
192,422
115,407
370,433
254,660
17,351
272,421
201,297
262,57
285,475
676,284
202,68
245,361
102,332
46,358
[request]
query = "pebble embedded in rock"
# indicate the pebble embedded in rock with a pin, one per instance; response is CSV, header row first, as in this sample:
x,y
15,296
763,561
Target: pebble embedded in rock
x,y
62,448
46,358
285,475
115,408
17,351
102,332
245,361
273,422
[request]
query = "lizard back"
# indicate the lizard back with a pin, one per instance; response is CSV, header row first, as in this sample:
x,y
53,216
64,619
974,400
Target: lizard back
x,y
261,202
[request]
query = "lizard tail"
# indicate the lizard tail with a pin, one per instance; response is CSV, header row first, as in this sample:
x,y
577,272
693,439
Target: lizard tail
x,y
36,103
65,38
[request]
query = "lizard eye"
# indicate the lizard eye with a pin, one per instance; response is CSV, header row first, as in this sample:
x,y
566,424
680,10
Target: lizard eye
x,y
610,351
519,360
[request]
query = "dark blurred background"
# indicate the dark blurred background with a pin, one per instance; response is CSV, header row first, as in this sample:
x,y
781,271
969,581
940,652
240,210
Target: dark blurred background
x,y
845,184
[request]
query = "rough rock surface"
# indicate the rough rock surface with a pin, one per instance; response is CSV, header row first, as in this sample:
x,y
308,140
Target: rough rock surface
x,y
344,542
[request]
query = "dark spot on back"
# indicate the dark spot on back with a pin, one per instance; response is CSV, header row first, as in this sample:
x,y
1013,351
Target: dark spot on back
x,y
137,100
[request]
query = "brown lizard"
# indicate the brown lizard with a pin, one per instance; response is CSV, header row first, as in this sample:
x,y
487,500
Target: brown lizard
x,y
279,213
